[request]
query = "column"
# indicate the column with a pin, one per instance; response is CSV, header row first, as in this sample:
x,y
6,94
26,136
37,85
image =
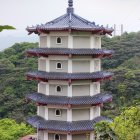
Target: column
x,y
48,41
70,41
46,135
69,66
47,65
38,87
70,90
91,89
96,88
96,112
69,115
69,137
91,113
92,65
47,89
100,43
91,41
38,110
92,136
46,113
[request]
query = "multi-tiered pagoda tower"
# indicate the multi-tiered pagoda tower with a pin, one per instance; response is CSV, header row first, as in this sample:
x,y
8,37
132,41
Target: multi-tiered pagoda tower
x,y
69,75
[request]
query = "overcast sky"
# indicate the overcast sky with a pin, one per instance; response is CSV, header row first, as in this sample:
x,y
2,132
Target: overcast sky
x,y
23,13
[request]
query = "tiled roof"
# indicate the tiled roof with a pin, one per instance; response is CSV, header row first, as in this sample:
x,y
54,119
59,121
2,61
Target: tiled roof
x,y
63,100
63,126
67,51
69,21
45,76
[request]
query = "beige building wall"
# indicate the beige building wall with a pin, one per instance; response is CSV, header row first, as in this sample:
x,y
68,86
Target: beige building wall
x,y
81,41
52,116
80,90
41,111
53,64
96,111
62,137
97,42
42,88
80,137
97,65
41,135
52,90
43,41
54,44
42,64
81,66
80,114
96,88
81,57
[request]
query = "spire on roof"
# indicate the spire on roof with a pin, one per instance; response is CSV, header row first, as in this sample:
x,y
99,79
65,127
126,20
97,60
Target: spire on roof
x,y
70,3
70,8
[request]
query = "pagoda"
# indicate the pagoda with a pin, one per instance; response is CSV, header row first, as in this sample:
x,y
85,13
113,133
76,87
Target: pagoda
x,y
69,75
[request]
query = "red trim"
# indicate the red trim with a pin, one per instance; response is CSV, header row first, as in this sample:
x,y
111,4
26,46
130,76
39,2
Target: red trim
x,y
93,31
70,55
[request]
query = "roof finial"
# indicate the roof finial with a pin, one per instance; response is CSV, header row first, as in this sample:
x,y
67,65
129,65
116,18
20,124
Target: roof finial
x,y
70,3
70,8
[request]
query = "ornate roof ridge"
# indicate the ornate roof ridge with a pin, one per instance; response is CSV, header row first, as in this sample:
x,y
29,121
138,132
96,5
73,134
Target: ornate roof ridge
x,y
45,76
68,51
70,21
64,100
54,125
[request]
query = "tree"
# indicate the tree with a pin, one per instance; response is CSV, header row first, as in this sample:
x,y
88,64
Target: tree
x,y
10,130
127,125
6,27
103,131
124,127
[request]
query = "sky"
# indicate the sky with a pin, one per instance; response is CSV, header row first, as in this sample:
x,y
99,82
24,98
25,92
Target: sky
x,y
23,13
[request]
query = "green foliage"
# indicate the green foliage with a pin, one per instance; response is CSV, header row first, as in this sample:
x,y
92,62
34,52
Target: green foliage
x,y
103,131
14,86
10,130
125,64
127,49
125,85
6,27
127,125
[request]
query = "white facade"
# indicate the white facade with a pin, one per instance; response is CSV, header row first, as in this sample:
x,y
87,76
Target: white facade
x,y
76,88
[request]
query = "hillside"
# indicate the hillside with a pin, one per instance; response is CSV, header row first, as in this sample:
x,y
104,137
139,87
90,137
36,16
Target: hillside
x,y
125,85
14,86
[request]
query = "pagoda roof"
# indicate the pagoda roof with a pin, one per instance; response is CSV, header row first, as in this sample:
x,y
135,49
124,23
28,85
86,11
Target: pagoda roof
x,y
71,52
69,22
66,101
45,76
64,126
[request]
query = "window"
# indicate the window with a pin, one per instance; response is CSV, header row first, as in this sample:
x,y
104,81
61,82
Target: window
x,y
56,137
58,65
58,112
58,40
58,89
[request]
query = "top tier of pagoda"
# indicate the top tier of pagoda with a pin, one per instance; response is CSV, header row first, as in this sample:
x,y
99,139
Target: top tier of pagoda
x,y
70,22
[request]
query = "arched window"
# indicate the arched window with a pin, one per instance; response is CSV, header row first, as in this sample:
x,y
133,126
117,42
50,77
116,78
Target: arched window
x,y
58,40
56,137
58,88
58,112
58,65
